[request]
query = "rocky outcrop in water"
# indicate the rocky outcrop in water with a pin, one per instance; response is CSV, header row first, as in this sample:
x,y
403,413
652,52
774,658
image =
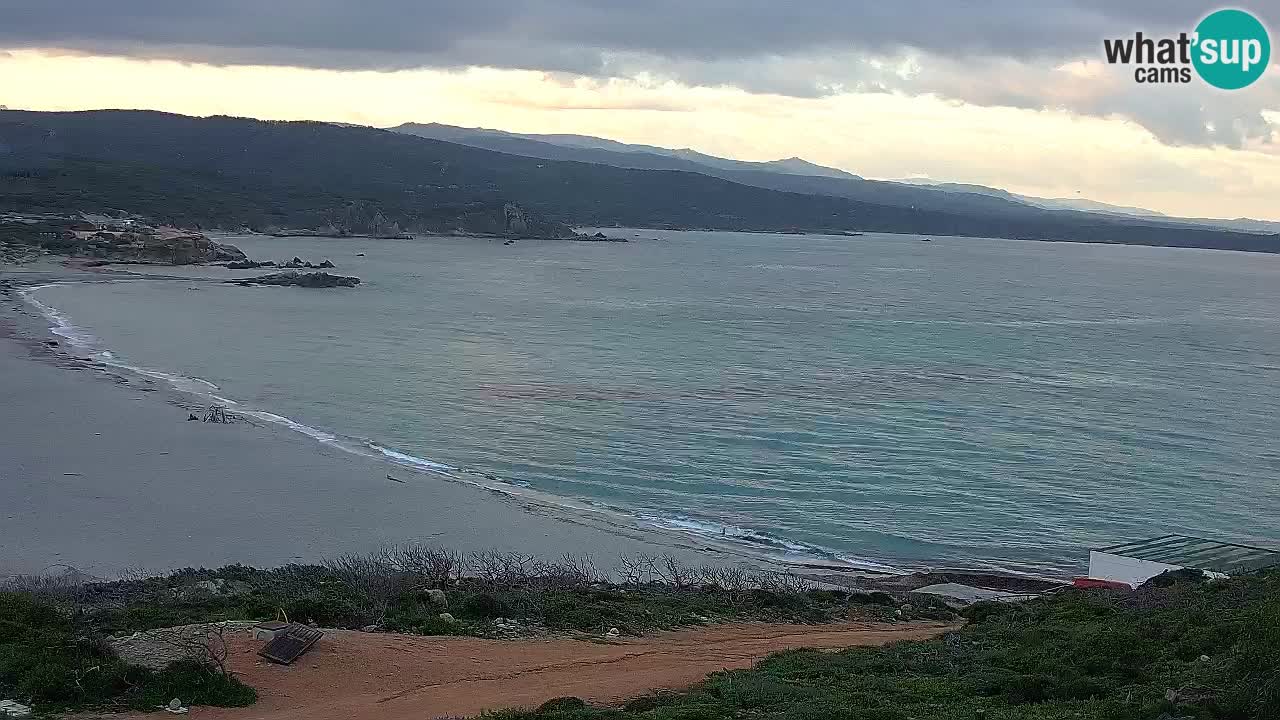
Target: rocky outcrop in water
x,y
598,237
249,264
294,264
297,279
298,263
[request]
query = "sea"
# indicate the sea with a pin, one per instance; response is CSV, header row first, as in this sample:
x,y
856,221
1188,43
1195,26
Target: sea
x,y
875,402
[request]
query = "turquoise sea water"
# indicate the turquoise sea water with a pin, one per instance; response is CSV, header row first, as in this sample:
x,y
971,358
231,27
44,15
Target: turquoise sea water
x,y
865,400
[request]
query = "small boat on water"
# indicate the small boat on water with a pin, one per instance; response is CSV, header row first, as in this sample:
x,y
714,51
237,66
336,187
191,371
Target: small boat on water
x,y
926,239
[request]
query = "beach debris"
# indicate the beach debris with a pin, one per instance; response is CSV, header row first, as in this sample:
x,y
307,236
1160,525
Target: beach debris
x,y
217,414
290,643
369,628
14,709
448,618
192,416
396,479
176,707
613,633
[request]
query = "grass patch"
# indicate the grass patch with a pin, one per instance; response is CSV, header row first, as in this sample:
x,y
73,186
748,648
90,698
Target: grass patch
x,y
52,630
52,658
1176,648
392,590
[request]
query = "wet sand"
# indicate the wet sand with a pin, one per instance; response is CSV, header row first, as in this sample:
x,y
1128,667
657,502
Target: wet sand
x,y
101,471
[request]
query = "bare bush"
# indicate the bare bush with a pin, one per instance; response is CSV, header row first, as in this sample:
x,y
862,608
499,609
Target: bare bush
x,y
671,571
373,579
571,571
637,568
135,574
68,585
783,582
430,566
500,569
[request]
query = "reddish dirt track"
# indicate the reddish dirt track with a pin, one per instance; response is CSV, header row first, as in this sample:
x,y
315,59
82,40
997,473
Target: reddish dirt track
x,y
391,677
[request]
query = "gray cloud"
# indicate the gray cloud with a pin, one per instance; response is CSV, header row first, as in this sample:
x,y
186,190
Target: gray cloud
x,y
995,52
571,35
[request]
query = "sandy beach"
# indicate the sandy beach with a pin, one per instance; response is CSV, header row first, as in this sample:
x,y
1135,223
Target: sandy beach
x,y
101,471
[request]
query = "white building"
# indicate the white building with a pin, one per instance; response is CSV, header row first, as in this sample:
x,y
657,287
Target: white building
x,y
1136,562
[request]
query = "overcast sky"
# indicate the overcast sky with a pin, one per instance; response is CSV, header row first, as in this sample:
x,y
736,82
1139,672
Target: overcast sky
x,y
1004,92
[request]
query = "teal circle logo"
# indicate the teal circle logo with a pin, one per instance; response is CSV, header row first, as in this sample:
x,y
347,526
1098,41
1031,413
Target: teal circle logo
x,y
1232,49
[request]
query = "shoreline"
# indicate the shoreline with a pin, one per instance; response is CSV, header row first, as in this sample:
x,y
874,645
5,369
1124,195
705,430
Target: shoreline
x,y
730,545
21,320
104,473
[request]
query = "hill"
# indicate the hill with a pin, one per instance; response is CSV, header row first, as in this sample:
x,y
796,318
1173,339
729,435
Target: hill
x,y
232,172
801,176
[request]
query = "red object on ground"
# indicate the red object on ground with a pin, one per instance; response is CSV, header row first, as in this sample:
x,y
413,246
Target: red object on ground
x,y
1085,582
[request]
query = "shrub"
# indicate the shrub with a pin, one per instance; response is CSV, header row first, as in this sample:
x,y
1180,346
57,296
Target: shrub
x,y
56,661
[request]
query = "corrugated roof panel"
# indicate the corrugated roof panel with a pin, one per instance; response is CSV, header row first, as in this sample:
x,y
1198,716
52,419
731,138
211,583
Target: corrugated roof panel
x,y
1198,553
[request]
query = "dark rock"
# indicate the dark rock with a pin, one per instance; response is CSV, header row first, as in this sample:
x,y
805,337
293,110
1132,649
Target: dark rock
x,y
220,251
598,237
51,343
307,280
249,264
325,264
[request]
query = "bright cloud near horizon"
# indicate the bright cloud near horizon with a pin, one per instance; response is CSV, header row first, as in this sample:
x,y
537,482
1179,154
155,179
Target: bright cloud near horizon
x,y
1004,94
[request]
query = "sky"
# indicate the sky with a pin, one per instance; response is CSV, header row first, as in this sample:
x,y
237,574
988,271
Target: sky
x,y
1007,93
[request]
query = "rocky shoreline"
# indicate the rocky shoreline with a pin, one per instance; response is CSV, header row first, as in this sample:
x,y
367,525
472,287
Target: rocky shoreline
x,y
100,240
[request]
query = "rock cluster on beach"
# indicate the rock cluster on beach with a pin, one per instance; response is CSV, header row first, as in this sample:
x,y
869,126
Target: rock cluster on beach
x,y
297,279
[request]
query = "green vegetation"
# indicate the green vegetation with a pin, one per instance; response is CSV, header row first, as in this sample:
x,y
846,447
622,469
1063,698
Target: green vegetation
x,y
399,588
1177,648
54,630
54,658
232,172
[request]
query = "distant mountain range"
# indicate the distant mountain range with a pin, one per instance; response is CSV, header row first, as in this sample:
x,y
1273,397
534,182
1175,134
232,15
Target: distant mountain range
x,y
1093,206
641,156
222,172
793,175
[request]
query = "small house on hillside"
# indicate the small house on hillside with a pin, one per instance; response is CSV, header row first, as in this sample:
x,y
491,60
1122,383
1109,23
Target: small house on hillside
x,y
1134,563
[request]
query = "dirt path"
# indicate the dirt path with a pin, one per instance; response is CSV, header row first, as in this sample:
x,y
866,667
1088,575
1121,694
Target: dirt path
x,y
375,675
